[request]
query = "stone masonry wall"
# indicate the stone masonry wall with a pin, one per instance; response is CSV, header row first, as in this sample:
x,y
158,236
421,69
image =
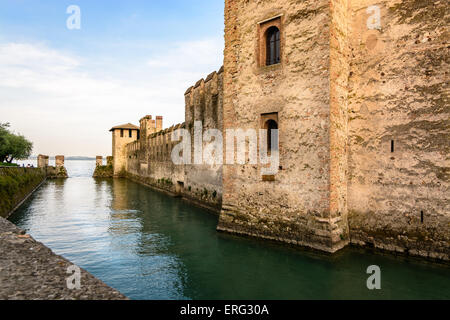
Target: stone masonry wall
x,y
203,103
296,206
153,165
399,92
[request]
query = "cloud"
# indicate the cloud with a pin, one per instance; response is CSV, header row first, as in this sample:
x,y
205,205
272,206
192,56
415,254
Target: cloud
x,y
64,104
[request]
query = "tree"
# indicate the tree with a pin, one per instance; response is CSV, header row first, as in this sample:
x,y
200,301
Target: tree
x,y
13,146
4,134
19,147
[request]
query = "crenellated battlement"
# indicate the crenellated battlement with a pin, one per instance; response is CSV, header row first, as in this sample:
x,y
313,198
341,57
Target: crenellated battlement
x,y
203,101
148,157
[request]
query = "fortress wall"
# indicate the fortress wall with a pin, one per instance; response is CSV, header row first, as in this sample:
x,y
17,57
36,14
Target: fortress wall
x,y
203,182
148,159
399,92
152,165
296,206
133,152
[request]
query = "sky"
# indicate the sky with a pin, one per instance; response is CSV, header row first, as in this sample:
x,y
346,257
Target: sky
x,y
65,88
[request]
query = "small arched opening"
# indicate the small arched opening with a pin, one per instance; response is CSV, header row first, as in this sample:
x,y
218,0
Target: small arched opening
x,y
269,126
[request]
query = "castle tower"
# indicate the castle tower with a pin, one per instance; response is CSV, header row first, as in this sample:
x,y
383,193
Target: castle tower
x,y
148,127
363,148
121,136
282,80
159,123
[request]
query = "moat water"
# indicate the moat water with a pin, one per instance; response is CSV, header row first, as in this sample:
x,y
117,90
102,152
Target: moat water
x,y
152,246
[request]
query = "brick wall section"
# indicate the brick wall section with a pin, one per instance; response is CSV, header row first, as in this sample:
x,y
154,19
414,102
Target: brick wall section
x,y
339,73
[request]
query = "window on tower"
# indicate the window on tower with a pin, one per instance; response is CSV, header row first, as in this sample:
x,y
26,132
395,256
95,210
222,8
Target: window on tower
x,y
272,46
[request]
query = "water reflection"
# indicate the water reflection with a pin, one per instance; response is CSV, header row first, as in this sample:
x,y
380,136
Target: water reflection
x,y
150,246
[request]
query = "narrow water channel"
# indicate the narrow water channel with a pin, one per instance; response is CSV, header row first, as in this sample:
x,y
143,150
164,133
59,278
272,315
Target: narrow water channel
x,y
151,246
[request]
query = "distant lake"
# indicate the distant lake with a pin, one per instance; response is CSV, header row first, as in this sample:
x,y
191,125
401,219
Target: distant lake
x,y
75,168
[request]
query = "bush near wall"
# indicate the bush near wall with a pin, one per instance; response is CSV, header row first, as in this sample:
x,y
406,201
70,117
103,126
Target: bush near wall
x,y
16,184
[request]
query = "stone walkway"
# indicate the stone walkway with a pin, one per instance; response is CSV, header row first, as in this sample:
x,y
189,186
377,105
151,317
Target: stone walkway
x,y
30,270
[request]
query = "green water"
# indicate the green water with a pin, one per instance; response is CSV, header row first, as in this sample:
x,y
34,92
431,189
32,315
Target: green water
x,y
151,246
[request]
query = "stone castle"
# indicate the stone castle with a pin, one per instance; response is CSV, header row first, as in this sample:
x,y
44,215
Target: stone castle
x,y
358,90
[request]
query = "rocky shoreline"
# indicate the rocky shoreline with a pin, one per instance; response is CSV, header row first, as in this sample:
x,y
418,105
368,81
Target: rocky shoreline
x,y
31,271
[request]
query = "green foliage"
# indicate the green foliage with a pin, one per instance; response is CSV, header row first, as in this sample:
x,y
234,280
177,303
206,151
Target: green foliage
x,y
15,184
13,146
3,132
6,164
165,181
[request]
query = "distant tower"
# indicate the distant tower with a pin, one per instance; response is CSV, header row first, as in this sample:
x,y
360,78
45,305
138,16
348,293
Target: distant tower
x,y
147,127
159,123
121,136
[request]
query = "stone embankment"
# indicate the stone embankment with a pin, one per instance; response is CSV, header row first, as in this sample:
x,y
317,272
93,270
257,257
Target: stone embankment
x,y
30,270
56,172
102,171
16,185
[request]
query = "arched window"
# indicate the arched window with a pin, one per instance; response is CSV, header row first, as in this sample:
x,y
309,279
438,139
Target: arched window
x,y
271,125
273,46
